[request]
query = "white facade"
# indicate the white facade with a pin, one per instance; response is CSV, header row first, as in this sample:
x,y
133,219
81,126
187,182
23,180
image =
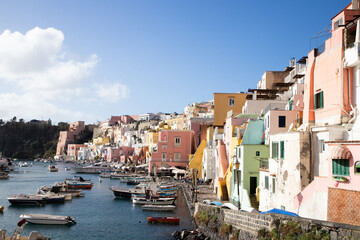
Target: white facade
x,y
286,175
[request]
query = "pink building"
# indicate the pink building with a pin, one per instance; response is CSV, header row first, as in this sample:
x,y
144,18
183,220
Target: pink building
x,y
173,149
66,137
199,126
73,149
118,154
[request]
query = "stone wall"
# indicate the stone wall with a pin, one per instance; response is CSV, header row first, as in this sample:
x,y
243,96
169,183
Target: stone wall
x,y
246,225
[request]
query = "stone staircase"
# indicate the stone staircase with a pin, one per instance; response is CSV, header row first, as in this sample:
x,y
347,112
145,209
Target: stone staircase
x,y
254,202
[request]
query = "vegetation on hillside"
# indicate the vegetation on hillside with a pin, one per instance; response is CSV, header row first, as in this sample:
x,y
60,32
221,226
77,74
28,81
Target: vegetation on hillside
x,y
28,140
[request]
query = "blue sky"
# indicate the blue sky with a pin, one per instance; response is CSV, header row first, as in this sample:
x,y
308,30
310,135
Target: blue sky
x,y
89,60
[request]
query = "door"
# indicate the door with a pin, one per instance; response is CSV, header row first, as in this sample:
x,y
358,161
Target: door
x,y
253,185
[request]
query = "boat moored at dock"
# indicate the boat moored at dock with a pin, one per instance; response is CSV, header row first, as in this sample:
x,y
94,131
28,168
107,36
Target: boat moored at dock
x,y
162,208
96,168
48,219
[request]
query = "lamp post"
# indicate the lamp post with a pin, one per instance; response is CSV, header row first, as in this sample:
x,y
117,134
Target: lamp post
x,y
238,178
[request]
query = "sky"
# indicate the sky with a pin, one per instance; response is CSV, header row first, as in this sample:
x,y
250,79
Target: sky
x,y
89,60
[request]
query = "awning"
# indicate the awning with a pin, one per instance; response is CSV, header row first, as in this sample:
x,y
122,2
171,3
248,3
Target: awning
x,y
340,152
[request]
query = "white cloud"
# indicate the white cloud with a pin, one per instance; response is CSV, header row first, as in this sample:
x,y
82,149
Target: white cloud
x,y
42,76
112,92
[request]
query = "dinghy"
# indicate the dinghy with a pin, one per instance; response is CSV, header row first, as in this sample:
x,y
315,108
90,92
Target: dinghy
x,y
48,219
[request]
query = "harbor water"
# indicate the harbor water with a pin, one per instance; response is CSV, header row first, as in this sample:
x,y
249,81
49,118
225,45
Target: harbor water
x,y
99,215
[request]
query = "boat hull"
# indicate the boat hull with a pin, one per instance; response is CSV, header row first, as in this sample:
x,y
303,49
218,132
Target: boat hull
x,y
160,201
26,202
162,208
48,219
173,220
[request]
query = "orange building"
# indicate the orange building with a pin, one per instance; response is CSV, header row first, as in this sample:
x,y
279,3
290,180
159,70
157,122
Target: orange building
x,y
224,102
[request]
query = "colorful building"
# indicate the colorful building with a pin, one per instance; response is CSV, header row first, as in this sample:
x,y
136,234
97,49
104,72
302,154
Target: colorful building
x,y
225,102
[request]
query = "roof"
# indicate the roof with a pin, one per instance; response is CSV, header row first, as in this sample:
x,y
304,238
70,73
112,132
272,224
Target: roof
x,y
246,115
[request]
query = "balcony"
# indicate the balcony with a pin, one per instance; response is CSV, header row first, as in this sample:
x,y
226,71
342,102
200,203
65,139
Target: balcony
x,y
264,164
352,55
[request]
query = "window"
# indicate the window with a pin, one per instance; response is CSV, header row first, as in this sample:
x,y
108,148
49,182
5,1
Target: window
x,y
282,207
239,152
257,153
231,102
319,100
273,185
282,149
357,167
177,156
268,121
177,141
266,182
282,121
321,146
340,167
275,146
164,146
163,156
338,23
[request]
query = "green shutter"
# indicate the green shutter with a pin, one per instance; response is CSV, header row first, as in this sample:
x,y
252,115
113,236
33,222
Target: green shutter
x,y
340,167
315,102
275,150
282,149
321,99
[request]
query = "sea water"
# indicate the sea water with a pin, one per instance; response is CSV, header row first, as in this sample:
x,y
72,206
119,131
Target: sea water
x,y
98,215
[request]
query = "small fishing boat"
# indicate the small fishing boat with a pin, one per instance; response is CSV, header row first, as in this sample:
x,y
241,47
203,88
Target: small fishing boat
x,y
127,192
173,220
67,168
48,219
4,175
18,231
79,183
162,208
153,201
23,199
50,197
53,168
23,164
96,168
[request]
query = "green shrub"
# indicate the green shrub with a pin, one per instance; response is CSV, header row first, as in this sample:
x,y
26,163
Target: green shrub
x,y
225,229
202,216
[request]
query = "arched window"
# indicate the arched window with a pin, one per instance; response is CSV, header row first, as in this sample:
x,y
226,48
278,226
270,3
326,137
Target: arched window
x,y
357,167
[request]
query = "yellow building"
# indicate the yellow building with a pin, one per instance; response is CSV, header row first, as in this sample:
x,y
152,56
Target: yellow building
x,y
101,140
176,123
153,138
224,102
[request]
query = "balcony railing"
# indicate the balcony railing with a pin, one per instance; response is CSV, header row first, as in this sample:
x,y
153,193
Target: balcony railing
x,y
264,164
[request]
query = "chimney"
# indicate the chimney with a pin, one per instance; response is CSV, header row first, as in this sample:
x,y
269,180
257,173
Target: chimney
x,y
355,4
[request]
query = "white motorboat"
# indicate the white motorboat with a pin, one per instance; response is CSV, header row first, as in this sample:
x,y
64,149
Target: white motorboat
x,y
153,201
23,164
53,168
162,208
48,219
96,168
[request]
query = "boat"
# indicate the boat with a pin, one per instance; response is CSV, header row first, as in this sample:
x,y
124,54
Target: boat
x,y
96,168
48,219
2,209
105,174
162,208
24,199
53,168
127,192
153,201
23,164
50,197
19,230
67,168
4,175
132,182
62,189
78,183
174,220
